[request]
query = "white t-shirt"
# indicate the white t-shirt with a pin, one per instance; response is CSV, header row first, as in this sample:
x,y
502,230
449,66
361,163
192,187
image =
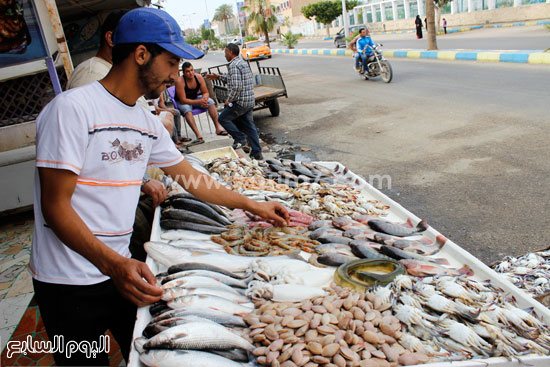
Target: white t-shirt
x,y
88,71
109,145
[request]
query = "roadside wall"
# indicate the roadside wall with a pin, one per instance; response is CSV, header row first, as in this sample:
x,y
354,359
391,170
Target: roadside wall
x,y
522,13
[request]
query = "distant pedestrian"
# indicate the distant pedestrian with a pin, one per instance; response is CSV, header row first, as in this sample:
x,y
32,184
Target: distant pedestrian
x,y
445,25
418,23
426,23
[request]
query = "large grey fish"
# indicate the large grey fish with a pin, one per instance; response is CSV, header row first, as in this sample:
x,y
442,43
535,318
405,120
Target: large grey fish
x,y
176,292
221,317
324,223
237,355
189,216
217,208
216,303
399,254
422,246
198,266
398,229
324,231
203,228
335,259
365,250
199,207
239,283
328,238
191,358
198,335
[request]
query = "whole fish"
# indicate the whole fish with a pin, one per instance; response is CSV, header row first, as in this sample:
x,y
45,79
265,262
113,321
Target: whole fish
x,y
237,355
335,259
398,229
273,161
345,223
189,216
221,317
198,335
217,208
423,269
320,224
422,246
324,231
154,328
366,250
199,207
228,280
194,281
334,239
357,233
181,234
178,358
298,169
333,248
177,292
399,254
203,228
198,266
194,244
216,303
278,168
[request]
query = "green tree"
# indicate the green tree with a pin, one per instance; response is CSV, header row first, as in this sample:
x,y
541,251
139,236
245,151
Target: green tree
x,y
193,40
223,14
325,12
290,39
261,17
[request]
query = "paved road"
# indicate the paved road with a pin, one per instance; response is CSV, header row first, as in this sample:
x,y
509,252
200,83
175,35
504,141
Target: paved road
x,y
465,144
514,38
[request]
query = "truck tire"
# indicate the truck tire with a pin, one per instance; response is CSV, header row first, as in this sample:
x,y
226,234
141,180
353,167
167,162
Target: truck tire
x,y
273,106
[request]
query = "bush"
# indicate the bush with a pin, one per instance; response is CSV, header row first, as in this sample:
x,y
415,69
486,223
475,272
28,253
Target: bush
x,y
289,39
250,38
349,39
193,40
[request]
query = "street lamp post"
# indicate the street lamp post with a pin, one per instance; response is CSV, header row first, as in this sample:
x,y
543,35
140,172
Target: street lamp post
x,y
189,18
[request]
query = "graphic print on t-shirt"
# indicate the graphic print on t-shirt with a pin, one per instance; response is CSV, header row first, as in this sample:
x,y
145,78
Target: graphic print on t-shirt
x,y
124,151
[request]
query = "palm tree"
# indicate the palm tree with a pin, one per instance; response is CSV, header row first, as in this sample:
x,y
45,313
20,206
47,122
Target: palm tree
x,y
262,17
223,14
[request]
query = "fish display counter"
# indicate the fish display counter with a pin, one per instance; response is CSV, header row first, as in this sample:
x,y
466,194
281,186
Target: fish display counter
x,y
240,292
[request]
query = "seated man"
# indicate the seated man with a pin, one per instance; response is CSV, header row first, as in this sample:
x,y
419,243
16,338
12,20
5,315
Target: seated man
x,y
191,92
364,49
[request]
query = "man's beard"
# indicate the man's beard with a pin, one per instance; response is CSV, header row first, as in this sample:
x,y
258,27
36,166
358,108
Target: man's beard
x,y
148,81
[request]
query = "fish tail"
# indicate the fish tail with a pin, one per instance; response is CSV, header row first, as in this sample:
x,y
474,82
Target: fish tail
x,y
440,240
422,225
466,270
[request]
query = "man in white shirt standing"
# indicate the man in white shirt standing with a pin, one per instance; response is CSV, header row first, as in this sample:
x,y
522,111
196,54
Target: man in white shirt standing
x,y
93,146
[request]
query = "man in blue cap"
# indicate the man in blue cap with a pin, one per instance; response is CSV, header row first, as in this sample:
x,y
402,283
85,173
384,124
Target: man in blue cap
x,y
93,146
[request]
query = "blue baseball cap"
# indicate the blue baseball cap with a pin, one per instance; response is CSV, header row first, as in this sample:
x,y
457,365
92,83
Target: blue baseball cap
x,y
148,25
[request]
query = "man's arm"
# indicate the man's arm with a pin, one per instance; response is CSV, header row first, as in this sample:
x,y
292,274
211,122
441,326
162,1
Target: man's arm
x,y
208,189
134,279
204,89
180,93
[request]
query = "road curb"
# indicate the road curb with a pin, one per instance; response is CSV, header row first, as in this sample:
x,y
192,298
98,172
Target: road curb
x,y
455,29
519,57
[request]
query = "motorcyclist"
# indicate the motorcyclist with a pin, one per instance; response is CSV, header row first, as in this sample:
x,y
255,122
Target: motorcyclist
x,y
364,47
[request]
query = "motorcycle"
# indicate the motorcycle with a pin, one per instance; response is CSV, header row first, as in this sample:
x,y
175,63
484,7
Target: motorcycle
x,y
377,65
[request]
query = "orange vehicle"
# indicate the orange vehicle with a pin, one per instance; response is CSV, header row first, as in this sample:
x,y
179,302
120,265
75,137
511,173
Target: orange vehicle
x,y
255,50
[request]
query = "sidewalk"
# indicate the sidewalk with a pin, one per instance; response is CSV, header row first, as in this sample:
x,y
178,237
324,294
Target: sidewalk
x,y
523,56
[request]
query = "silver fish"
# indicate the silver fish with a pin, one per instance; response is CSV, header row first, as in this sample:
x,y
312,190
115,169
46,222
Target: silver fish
x,y
221,317
198,335
193,281
176,292
216,303
178,358
209,274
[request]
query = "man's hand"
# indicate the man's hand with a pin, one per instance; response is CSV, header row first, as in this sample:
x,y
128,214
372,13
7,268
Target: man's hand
x,y
212,76
204,102
173,111
135,281
273,211
157,110
156,190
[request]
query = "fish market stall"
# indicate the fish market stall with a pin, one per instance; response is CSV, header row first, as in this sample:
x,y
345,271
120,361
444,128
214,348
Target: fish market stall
x,y
353,280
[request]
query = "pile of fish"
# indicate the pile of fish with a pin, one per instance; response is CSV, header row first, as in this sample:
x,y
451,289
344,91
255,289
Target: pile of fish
x,y
292,173
458,318
530,272
198,321
185,211
326,201
260,241
342,328
297,219
224,168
